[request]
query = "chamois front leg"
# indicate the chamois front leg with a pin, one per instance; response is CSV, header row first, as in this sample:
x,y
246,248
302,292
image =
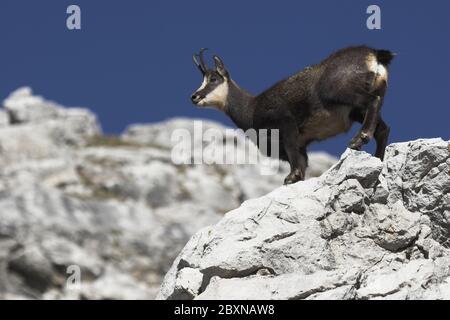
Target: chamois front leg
x,y
368,126
296,153
298,165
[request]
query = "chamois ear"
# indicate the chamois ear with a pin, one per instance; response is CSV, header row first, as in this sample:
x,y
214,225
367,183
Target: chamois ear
x,y
220,67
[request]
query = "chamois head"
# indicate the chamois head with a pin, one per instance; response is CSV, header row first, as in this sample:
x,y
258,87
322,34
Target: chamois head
x,y
214,89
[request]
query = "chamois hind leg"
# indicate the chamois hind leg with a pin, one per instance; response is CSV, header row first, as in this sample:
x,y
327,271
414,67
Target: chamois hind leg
x,y
369,124
381,137
297,156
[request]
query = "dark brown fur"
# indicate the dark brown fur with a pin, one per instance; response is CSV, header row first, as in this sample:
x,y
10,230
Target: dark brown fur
x,y
318,103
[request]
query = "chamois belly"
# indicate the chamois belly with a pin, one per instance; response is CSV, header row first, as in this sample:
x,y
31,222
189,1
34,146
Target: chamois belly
x,y
326,123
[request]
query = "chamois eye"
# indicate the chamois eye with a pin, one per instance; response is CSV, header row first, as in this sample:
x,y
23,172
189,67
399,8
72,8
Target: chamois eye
x,y
213,79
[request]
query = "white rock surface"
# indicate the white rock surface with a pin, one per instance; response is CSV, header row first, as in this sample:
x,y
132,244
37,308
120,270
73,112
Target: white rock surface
x,y
116,208
23,107
363,230
41,129
4,118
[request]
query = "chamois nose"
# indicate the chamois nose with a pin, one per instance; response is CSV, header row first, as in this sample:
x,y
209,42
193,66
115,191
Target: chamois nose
x,y
196,98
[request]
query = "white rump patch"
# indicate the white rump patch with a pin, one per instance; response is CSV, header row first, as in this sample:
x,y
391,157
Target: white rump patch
x,y
377,68
381,70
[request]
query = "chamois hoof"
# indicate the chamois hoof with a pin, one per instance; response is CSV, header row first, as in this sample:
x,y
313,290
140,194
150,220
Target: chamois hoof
x,y
357,142
293,177
355,145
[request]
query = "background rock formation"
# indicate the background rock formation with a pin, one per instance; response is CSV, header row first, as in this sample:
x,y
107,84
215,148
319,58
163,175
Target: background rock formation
x,y
363,230
115,207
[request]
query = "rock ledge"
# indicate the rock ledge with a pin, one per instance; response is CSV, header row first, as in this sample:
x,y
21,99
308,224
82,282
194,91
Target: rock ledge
x,y
363,230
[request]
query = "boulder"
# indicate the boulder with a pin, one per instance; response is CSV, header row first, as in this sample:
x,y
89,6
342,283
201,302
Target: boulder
x,y
22,107
365,229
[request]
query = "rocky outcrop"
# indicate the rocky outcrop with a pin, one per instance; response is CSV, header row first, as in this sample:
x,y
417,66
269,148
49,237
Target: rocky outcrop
x,y
4,119
117,209
365,229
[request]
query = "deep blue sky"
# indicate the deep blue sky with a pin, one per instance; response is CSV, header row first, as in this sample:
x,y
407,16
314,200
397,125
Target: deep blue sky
x,y
131,62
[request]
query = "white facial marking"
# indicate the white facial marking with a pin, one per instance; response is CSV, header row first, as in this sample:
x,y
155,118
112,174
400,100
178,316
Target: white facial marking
x,y
203,85
217,97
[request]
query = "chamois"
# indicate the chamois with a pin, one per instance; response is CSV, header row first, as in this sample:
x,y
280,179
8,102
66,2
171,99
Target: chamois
x,y
317,103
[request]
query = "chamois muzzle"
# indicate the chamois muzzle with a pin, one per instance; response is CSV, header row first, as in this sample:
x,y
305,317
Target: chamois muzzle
x,y
196,98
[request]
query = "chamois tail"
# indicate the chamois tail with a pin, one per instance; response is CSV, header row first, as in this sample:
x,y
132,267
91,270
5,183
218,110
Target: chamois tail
x,y
384,56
